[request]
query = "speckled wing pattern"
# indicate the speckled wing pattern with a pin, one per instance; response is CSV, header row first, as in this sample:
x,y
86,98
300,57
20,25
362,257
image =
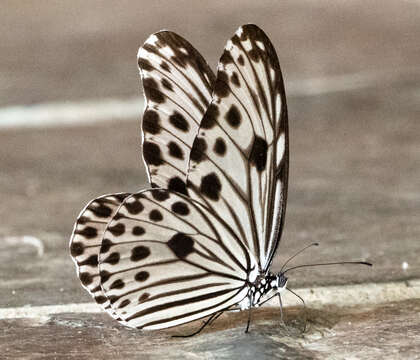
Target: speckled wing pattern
x,y
192,245
239,160
177,86
166,260
86,241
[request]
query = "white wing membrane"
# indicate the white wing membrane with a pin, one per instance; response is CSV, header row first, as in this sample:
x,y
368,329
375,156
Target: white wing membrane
x,y
177,85
165,260
239,160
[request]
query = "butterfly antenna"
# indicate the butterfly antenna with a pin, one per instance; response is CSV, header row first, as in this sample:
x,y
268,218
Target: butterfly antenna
x,y
300,251
331,263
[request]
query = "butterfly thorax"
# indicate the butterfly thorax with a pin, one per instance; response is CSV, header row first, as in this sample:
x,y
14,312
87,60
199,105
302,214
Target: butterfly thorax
x,y
263,288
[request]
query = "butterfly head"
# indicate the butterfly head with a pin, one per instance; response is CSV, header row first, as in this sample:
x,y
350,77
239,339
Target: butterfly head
x,y
281,281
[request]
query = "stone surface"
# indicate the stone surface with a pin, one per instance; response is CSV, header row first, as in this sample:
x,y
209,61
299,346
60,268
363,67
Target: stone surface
x,y
390,331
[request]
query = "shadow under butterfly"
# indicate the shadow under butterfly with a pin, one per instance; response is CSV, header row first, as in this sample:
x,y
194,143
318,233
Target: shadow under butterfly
x,y
201,240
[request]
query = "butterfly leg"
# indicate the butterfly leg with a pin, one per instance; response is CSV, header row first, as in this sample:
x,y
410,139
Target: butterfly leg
x,y
261,304
249,312
281,309
231,309
282,323
304,307
207,322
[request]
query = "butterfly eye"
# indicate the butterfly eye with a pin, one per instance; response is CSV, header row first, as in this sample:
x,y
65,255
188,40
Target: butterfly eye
x,y
281,281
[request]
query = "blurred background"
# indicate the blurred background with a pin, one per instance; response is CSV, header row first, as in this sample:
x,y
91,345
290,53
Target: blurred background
x,y
71,105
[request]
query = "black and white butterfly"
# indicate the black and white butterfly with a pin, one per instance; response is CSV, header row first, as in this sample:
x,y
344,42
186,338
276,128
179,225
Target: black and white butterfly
x,y
216,148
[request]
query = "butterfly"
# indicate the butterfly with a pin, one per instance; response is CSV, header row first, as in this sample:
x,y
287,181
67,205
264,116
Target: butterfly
x,y
202,239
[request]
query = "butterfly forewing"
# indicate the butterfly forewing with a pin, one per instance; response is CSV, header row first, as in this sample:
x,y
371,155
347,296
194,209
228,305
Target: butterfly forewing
x,y
166,260
86,241
239,161
177,85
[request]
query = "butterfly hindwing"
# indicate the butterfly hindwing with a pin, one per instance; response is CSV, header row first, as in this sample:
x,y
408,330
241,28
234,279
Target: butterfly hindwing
x,y
177,85
86,241
165,260
239,160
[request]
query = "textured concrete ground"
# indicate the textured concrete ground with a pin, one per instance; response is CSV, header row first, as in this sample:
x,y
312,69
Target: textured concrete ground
x,y
387,331
354,77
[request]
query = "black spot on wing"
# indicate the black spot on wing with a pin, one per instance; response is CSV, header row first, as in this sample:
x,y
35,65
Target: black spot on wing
x,y
138,231
117,229
85,278
249,31
139,253
179,121
90,261
198,150
221,88
100,210
112,299
151,91
145,64
88,232
106,245
117,284
97,288
141,276
105,275
121,197
226,58
210,186
143,297
113,258
151,122
233,116
166,84
152,154
181,244
165,66
209,119
254,54
175,150
155,215
83,220
134,207
220,146
178,185
180,208
100,299
235,79
160,195
241,60
76,249
124,303
258,155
